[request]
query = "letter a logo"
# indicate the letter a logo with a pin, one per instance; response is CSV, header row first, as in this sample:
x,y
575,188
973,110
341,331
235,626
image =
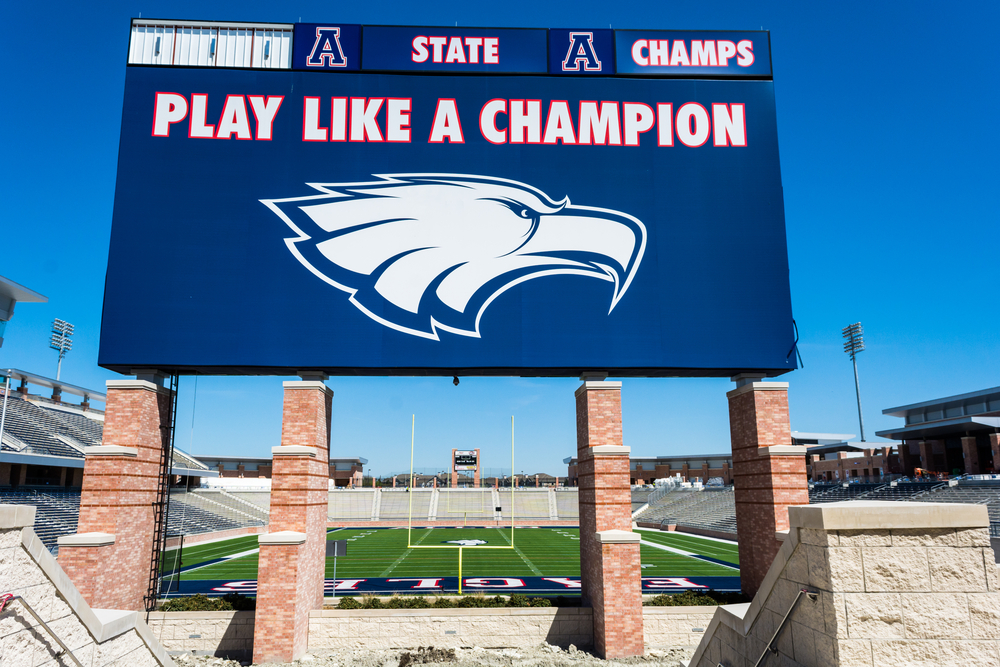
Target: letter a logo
x,y
581,51
326,51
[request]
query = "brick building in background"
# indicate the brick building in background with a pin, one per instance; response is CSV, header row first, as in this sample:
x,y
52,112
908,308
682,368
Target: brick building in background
x,y
833,458
643,470
955,433
345,472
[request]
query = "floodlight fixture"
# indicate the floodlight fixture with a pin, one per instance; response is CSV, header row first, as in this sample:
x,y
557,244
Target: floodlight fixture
x,y
854,343
61,340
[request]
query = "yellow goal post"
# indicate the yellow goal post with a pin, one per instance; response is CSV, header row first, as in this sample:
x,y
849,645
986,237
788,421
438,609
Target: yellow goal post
x,y
460,547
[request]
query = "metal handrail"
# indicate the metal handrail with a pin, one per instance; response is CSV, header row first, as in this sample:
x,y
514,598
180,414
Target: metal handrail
x,y
771,648
5,599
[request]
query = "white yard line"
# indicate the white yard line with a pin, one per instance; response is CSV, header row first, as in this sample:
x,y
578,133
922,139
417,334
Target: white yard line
x,y
683,553
520,553
241,554
405,554
223,560
698,537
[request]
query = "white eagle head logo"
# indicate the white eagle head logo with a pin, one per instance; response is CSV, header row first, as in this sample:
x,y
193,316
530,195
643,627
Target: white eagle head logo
x,y
421,253
467,543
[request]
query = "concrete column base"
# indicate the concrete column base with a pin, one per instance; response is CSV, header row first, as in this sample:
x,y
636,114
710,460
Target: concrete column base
x,y
281,622
614,569
85,561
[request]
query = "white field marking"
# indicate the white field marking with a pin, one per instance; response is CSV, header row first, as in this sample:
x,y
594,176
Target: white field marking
x,y
212,541
697,537
239,555
213,551
685,553
713,552
405,554
531,566
223,560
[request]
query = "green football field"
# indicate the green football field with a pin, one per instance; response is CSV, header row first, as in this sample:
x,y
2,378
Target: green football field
x,y
546,552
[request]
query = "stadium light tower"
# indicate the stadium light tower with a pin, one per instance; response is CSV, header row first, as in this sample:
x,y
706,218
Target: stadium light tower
x,y
854,342
61,340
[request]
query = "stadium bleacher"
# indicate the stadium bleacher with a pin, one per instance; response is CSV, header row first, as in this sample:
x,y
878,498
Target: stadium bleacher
x,y
904,490
31,428
567,504
713,508
468,503
395,504
528,504
973,492
209,510
186,517
56,512
640,497
836,492
351,504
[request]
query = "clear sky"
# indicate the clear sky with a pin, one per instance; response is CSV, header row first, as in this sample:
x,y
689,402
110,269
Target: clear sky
x,y
889,152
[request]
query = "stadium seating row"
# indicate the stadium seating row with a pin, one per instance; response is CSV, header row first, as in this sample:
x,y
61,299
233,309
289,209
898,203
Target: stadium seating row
x,y
202,510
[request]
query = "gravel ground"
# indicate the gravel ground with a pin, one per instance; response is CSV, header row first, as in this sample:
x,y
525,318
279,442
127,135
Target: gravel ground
x,y
541,656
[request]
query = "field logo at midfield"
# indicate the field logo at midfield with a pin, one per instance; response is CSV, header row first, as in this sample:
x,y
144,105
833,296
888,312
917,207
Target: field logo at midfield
x,y
421,253
467,543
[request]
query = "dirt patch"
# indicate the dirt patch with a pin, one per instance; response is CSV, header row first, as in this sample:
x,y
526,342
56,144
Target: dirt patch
x,y
544,655
427,655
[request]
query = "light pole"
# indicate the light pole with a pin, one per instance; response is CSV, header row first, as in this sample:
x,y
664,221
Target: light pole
x,y
61,340
855,342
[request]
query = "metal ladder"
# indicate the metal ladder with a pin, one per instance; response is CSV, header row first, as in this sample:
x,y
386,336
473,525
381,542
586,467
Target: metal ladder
x,y
161,506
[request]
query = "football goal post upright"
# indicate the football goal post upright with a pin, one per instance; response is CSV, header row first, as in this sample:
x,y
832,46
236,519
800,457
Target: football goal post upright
x,y
459,547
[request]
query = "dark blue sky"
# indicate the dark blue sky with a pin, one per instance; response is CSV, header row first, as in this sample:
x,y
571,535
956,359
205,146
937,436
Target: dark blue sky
x,y
887,131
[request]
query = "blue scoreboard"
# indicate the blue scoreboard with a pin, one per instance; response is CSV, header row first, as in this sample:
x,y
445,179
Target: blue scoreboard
x,y
415,200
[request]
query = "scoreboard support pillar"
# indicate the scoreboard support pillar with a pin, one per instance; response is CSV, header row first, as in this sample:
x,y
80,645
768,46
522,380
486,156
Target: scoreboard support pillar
x,y
292,559
609,550
768,471
108,559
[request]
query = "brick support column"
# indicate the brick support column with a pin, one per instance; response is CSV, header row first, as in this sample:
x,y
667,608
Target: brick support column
x,y
926,454
109,557
995,449
907,460
609,550
768,471
292,561
970,453
475,475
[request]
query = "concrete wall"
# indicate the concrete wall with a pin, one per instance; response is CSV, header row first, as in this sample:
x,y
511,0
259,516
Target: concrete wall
x,y
490,628
230,634
96,637
222,633
896,584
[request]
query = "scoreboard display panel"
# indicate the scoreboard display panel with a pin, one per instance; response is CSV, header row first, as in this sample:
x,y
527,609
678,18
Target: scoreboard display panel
x,y
392,200
466,460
